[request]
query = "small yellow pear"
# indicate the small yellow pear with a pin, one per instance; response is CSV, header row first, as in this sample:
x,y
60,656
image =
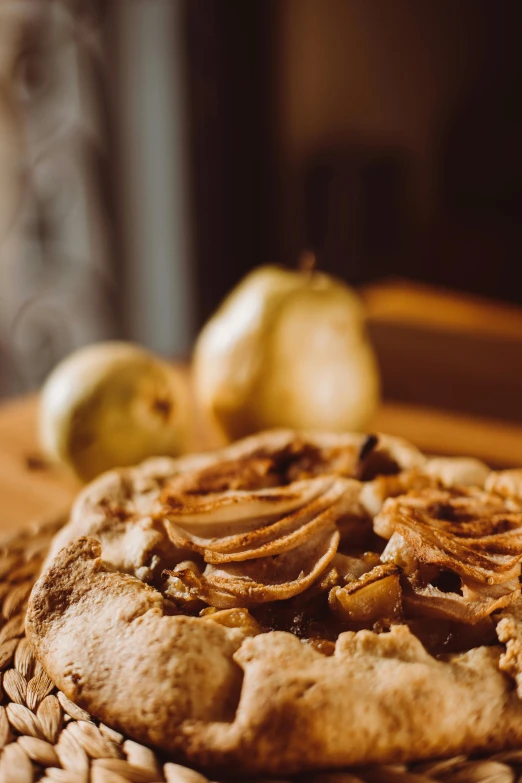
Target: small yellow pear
x,y
287,349
112,404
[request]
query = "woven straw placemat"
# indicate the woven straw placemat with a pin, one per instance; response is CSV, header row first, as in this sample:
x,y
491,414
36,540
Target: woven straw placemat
x,y
44,736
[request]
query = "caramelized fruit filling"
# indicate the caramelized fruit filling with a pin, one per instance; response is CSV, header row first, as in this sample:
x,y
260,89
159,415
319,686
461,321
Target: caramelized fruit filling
x,y
334,605
264,469
283,541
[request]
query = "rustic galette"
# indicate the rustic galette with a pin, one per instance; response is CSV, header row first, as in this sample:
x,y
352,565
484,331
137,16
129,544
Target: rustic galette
x,y
293,601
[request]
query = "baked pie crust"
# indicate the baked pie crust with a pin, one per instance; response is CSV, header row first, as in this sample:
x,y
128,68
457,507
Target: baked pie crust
x,y
292,601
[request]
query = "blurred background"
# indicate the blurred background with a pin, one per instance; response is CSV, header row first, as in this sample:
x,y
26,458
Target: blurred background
x,y
153,151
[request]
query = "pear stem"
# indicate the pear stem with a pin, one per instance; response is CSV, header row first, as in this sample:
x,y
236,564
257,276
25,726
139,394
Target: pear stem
x,y
307,262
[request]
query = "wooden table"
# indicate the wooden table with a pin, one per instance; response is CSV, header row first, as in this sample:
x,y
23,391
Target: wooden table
x,y
31,491
446,349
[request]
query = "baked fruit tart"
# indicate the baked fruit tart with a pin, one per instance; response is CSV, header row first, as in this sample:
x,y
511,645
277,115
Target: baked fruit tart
x,y
292,601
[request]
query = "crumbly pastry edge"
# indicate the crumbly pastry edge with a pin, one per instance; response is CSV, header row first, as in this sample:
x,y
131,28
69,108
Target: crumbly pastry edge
x,y
379,699
33,708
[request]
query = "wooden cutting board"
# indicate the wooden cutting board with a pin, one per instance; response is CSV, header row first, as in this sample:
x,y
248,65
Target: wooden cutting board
x,y
32,490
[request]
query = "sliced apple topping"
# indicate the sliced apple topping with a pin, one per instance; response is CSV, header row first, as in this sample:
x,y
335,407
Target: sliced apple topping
x,y
273,535
263,542
234,618
474,603
468,532
374,596
468,535
274,578
349,567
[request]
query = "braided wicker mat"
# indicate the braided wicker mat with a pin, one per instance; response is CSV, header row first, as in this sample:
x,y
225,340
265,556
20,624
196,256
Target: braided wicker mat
x,y
44,736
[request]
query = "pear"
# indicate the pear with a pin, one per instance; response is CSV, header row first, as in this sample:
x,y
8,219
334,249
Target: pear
x,y
287,349
112,404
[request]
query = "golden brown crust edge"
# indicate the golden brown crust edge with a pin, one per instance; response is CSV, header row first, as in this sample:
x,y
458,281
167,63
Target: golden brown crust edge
x,y
104,638
176,682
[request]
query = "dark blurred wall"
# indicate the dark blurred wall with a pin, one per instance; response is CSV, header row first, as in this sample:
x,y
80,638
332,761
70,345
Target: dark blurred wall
x,y
399,127
231,119
385,135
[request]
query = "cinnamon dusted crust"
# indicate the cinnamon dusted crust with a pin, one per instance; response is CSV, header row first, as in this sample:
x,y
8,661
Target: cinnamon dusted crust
x,y
220,691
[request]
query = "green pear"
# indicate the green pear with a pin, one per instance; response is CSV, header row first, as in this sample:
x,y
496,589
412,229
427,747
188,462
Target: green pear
x,y
287,349
112,404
